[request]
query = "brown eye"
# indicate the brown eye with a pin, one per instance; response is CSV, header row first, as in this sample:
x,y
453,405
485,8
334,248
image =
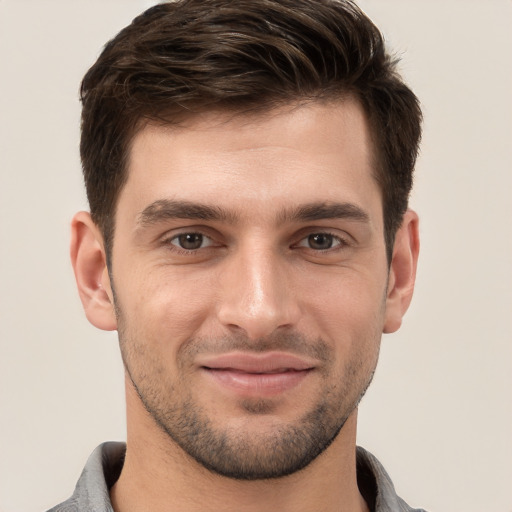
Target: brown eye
x,y
190,241
321,241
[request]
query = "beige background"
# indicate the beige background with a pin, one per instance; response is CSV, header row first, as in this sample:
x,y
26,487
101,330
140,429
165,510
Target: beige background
x,y
439,414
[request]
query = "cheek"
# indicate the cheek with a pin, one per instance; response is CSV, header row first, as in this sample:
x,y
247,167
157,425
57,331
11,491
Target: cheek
x,y
165,308
345,298
347,310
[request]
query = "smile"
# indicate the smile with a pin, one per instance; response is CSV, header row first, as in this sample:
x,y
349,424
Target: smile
x,y
257,375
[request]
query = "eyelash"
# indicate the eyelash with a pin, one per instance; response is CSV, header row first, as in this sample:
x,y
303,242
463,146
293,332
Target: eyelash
x,y
337,242
169,242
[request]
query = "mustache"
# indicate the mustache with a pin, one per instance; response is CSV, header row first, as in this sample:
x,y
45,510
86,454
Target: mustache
x,y
293,342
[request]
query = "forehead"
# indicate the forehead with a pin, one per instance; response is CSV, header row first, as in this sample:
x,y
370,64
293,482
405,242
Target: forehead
x,y
254,164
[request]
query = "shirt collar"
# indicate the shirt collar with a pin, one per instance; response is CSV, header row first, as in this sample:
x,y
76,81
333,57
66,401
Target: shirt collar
x,y
106,461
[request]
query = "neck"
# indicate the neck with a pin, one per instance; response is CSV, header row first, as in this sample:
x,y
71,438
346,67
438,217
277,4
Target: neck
x,y
158,476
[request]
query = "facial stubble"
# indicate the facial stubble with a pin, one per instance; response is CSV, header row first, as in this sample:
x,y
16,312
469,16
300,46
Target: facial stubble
x,y
242,452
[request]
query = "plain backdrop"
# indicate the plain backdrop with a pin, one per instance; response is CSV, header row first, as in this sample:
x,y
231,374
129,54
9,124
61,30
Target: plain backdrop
x,y
439,413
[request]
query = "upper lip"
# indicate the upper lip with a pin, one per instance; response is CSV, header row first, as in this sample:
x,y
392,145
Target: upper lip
x,y
268,362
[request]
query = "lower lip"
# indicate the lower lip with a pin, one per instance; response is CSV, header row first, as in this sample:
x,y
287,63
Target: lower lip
x,y
257,384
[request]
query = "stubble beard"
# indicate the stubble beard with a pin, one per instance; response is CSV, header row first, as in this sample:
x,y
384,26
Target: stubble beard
x,y
242,453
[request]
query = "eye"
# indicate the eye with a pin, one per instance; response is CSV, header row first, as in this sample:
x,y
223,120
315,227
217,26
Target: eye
x,y
320,241
191,241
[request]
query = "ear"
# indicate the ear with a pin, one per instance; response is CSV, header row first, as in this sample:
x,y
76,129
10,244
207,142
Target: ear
x,y
402,273
90,265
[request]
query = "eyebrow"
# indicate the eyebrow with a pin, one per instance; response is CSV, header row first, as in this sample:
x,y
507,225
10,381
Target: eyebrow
x,y
167,209
319,211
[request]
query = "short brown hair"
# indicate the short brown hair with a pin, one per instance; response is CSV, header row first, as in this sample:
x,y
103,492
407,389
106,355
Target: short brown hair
x,y
190,56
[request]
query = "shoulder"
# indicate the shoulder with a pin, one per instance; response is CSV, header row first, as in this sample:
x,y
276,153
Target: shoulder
x,y
377,487
99,474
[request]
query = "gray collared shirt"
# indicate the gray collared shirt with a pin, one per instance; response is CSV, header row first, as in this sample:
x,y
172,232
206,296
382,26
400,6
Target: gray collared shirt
x,y
105,463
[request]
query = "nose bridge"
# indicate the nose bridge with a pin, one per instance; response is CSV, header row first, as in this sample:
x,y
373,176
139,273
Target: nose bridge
x,y
261,286
256,296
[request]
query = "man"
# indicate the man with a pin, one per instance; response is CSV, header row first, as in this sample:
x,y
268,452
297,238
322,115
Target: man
x,y
248,166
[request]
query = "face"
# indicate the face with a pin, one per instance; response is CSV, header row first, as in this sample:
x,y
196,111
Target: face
x,y
250,281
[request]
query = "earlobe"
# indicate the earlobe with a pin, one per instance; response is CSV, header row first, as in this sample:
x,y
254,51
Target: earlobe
x,y
89,264
402,274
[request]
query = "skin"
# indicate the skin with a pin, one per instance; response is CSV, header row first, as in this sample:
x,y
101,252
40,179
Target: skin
x,y
265,278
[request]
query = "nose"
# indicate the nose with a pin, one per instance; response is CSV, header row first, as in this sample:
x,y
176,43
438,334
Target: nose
x,y
257,293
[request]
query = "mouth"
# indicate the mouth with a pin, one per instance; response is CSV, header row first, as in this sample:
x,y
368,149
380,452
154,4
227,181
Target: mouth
x,y
257,375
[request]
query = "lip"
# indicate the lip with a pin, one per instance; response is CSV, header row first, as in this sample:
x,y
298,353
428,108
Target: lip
x,y
257,375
